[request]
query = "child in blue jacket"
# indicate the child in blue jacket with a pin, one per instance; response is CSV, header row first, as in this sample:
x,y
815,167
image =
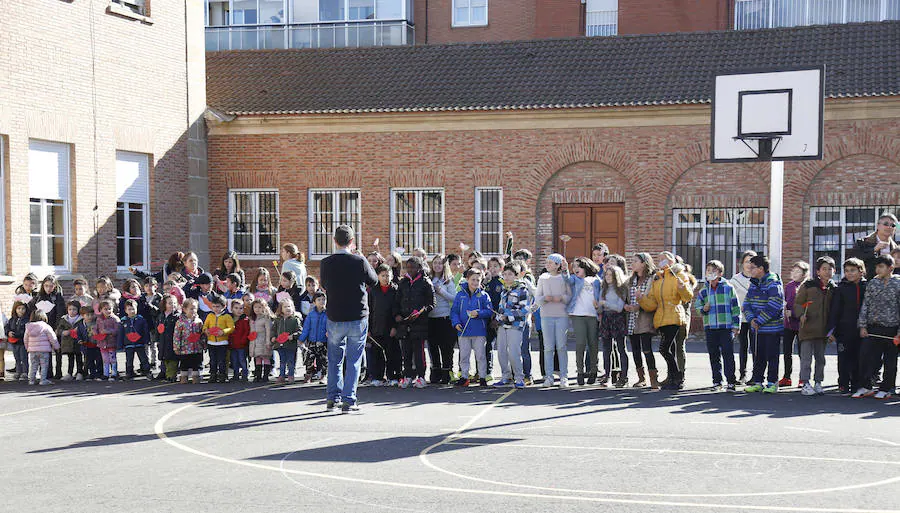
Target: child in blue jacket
x,y
764,309
133,336
314,339
470,314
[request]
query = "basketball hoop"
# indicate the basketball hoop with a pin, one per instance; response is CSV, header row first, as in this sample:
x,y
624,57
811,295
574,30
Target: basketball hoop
x,y
765,145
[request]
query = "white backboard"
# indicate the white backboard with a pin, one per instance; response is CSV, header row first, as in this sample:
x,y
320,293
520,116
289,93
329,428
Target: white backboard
x,y
785,103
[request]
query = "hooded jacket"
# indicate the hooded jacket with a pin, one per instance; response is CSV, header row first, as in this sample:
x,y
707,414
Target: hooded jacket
x,y
292,325
166,339
260,335
414,294
67,343
881,306
513,307
819,298
239,338
846,302
383,309
136,324
465,302
40,338
16,326
183,330
315,327
764,303
666,300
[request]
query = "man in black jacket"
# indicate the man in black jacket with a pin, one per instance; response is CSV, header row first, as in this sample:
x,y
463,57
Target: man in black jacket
x,y
345,276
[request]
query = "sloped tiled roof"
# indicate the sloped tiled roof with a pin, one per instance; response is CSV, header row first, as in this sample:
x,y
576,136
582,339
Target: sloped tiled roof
x,y
861,59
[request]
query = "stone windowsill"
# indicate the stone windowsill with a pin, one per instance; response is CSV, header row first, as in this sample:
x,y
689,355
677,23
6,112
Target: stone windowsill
x,y
125,12
6,279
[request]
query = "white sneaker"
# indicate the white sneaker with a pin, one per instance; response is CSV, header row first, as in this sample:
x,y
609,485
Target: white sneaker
x,y
563,382
377,383
79,377
45,382
68,377
111,379
393,383
862,392
818,388
807,389
404,383
30,381
881,394
548,382
16,376
23,377
419,383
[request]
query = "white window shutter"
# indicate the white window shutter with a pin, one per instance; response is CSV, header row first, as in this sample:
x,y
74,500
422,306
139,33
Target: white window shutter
x,y
48,170
132,177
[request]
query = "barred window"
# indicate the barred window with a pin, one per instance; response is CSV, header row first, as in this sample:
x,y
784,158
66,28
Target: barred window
x,y
254,221
329,209
489,220
417,219
833,230
703,234
131,235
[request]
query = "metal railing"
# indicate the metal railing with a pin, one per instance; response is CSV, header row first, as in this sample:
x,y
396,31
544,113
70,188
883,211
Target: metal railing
x,y
757,14
342,34
601,23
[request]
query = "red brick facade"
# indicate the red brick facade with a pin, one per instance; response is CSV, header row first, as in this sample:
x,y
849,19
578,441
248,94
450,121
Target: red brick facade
x,y
652,169
653,17
99,82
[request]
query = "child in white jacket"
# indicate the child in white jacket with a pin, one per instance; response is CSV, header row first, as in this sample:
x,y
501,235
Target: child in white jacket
x,y
40,341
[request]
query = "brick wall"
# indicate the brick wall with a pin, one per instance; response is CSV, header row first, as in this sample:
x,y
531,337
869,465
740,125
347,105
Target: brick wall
x,y
653,169
507,20
99,82
652,17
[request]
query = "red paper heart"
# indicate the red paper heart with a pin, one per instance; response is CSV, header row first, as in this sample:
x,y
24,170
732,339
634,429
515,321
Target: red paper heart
x,y
282,338
100,336
73,333
14,340
193,337
134,337
161,328
215,331
253,335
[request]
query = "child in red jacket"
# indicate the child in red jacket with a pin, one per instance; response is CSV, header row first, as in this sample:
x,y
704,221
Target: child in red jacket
x,y
239,341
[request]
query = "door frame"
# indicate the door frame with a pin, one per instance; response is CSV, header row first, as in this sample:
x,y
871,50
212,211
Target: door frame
x,y
556,234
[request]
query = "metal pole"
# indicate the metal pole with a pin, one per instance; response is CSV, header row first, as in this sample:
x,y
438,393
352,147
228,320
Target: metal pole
x,y
776,214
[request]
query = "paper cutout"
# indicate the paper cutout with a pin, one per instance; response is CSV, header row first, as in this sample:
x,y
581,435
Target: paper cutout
x,y
161,328
253,335
193,337
45,306
23,298
73,333
133,337
282,338
281,296
14,340
99,336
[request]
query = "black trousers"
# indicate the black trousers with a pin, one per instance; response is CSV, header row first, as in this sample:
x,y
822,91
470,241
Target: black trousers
x,y
413,348
787,349
878,350
668,348
76,365
744,341
441,339
378,362
850,369
642,344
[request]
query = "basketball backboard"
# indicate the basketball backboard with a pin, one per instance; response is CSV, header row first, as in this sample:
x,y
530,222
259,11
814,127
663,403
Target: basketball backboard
x,y
768,112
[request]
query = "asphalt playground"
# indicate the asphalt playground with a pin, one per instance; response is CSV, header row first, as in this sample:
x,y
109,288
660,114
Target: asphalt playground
x,y
151,447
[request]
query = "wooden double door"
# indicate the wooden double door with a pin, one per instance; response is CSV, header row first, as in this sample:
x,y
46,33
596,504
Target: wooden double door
x,y
588,224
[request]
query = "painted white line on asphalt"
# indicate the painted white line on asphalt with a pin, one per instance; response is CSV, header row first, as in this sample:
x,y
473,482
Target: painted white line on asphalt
x,y
160,431
895,444
616,423
712,423
811,430
83,399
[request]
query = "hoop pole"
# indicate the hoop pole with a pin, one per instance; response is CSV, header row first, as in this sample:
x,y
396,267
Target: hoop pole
x,y
776,214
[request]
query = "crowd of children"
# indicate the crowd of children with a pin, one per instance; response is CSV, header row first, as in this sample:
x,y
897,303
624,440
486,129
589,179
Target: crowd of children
x,y
457,309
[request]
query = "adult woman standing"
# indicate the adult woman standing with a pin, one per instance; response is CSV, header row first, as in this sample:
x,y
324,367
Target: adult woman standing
x,y
173,266
640,321
191,271
441,333
670,290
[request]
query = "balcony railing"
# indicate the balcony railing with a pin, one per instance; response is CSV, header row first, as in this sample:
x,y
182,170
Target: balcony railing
x,y
601,23
343,34
757,14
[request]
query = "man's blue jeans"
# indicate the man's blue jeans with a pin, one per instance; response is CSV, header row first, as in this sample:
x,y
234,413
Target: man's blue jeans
x,y
345,340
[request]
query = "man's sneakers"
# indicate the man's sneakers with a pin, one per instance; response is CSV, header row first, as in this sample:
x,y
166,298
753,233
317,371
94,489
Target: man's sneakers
x,y
807,390
717,387
394,383
351,408
817,388
563,382
331,405
45,382
785,382
520,384
756,387
68,377
419,383
771,388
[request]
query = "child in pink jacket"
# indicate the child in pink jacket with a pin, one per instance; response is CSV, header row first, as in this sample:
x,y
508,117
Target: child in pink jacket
x,y
40,341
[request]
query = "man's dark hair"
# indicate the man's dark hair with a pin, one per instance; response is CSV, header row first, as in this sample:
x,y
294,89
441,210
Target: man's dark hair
x,y
762,261
343,234
823,260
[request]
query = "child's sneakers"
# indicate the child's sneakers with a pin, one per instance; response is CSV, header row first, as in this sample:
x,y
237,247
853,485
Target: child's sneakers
x,y
882,395
482,382
785,382
863,392
462,382
377,383
548,382
807,389
30,381
45,382
756,387
404,383
771,388
111,379
79,377
501,383
730,387
817,388
564,382
68,377
520,384
717,387
419,382
394,383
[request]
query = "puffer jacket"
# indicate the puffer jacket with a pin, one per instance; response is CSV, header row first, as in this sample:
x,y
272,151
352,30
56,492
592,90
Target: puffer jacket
x,y
239,338
166,339
67,343
444,294
383,309
666,300
819,298
107,328
260,346
465,302
184,328
16,326
40,338
845,306
414,294
292,325
881,306
764,303
315,327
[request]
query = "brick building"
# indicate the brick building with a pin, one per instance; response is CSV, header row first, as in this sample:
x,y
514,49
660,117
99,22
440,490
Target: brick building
x,y
597,138
102,146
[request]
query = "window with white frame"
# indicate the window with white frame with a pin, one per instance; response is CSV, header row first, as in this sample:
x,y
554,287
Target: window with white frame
x,y
833,231
48,187
469,13
3,233
135,6
417,219
757,14
601,18
703,234
132,210
253,226
489,220
329,209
